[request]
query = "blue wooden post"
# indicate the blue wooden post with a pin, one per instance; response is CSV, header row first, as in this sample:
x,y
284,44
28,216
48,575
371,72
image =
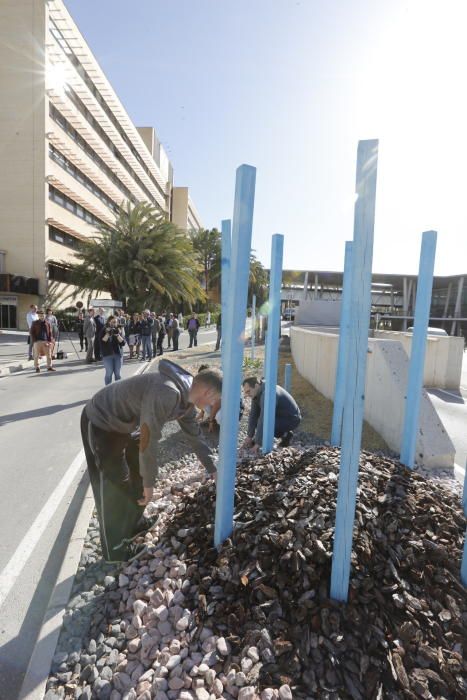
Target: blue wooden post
x,y
253,326
234,348
343,348
272,342
464,555
226,250
288,377
417,353
362,256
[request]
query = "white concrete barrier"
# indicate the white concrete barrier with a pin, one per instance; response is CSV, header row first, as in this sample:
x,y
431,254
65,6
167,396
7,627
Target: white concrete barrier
x,y
315,356
443,361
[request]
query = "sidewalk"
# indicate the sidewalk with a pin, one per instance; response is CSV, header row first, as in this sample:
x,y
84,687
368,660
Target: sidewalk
x,y
14,351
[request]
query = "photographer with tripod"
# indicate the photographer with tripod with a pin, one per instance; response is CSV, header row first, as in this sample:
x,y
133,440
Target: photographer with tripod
x,y
112,343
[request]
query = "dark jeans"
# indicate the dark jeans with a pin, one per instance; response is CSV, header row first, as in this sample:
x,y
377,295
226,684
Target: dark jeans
x,y
175,337
284,424
83,342
97,347
193,338
113,466
160,349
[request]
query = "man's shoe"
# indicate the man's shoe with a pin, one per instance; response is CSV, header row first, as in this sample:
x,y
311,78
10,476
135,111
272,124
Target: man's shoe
x,y
144,524
286,438
51,369
38,370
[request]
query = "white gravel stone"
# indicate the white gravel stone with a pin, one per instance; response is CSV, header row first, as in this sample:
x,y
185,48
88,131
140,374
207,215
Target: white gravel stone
x,y
253,654
201,694
285,693
217,688
240,679
182,624
222,646
161,613
139,607
247,693
246,664
123,581
267,694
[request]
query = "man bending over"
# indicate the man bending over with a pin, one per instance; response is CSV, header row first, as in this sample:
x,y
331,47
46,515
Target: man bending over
x,y
123,475
287,416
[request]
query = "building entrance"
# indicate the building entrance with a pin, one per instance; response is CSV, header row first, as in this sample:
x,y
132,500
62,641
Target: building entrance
x,y
7,315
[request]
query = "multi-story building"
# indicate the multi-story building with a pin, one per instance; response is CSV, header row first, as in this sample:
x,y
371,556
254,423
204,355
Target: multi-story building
x,y
183,211
71,155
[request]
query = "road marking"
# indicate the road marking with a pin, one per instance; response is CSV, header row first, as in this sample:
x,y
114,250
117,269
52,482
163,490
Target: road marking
x,y
24,550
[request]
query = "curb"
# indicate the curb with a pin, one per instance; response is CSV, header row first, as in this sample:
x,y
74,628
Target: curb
x,y
37,673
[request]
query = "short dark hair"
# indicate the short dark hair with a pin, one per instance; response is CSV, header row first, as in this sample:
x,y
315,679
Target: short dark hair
x,y
211,378
251,381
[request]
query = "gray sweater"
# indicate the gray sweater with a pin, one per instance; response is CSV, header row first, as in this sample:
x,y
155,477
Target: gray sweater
x,y
150,400
287,412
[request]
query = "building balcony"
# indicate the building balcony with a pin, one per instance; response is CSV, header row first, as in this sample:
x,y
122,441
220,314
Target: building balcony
x,y
17,284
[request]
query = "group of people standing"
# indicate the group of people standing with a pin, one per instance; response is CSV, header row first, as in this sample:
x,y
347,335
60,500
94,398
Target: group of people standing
x,y
144,334
43,335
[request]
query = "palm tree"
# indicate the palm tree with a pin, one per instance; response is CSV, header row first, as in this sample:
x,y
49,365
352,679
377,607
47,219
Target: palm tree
x,y
142,260
207,246
259,281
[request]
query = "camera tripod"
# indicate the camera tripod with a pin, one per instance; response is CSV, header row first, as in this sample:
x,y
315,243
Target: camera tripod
x,y
62,329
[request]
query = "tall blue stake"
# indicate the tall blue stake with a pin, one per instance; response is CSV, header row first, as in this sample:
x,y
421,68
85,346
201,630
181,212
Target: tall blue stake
x,y
362,256
226,251
272,342
464,556
287,376
253,326
233,349
417,353
343,349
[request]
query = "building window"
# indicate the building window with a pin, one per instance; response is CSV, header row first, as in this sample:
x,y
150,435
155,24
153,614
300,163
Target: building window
x,y
63,238
83,179
73,207
59,273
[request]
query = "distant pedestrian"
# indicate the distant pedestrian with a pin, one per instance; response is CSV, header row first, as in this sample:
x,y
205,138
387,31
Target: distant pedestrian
x,y
175,333
89,330
83,342
31,316
41,336
193,327
156,325
100,323
169,329
134,330
161,336
53,323
146,325
219,331
112,344
207,322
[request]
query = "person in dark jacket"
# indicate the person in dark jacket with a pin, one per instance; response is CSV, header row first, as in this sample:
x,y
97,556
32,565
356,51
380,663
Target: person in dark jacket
x,y
156,326
193,328
146,325
80,328
161,336
122,477
99,320
134,335
287,416
112,343
42,341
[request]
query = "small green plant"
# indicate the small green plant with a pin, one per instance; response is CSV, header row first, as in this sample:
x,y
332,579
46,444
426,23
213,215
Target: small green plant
x,y
250,365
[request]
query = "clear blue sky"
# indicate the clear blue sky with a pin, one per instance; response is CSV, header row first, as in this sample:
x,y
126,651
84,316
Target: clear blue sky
x,y
289,86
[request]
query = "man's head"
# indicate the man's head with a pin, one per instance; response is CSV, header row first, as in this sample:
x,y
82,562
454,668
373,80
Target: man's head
x,y
146,313
206,388
251,386
101,311
49,312
33,308
91,311
41,314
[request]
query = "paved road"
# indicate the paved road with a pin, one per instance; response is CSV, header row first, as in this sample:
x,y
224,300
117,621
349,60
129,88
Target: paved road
x,y
40,439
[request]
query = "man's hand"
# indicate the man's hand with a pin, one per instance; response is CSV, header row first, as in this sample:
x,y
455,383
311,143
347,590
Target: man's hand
x,y
247,443
148,493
